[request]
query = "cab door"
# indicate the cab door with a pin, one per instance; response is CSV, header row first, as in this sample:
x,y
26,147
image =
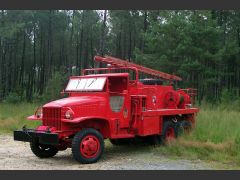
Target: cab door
x,y
120,106
119,100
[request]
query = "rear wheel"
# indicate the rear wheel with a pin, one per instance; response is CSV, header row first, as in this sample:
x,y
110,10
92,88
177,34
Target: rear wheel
x,y
170,131
87,146
184,127
42,150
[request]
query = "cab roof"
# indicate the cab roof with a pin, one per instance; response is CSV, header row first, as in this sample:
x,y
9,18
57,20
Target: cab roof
x,y
103,75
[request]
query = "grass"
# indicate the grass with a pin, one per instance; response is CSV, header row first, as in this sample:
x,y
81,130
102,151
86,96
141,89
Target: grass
x,y
13,116
216,136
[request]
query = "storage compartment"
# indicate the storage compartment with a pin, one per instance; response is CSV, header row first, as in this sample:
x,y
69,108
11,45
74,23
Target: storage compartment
x,y
148,126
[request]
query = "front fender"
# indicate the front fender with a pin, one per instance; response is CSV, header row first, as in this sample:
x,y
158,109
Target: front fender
x,y
106,126
81,119
33,118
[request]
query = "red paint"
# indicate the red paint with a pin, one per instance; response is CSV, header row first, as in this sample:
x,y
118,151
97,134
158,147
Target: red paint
x,y
89,146
170,134
45,128
125,108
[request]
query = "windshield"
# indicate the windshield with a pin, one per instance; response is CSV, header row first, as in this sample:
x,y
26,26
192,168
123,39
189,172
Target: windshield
x,y
86,84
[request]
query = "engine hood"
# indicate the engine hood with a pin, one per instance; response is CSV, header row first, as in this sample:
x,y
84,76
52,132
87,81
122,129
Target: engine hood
x,y
75,101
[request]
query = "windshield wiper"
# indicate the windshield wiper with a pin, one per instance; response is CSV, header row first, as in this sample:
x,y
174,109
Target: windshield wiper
x,y
92,82
78,83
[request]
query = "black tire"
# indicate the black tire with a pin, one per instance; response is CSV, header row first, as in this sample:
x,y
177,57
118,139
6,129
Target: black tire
x,y
42,150
184,127
180,129
76,143
166,126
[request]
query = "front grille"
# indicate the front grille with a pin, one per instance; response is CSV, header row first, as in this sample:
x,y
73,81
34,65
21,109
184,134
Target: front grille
x,y
52,117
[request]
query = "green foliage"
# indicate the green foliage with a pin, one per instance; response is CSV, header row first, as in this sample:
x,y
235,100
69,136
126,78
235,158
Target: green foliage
x,y
229,101
38,98
201,46
54,86
13,97
227,97
195,46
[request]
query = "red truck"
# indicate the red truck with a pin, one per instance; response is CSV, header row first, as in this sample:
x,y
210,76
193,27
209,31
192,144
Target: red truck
x,y
111,103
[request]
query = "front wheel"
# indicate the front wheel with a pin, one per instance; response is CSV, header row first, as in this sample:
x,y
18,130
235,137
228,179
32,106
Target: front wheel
x,y
42,150
87,146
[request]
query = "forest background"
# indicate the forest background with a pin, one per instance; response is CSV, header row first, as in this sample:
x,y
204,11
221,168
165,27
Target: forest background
x,y
39,50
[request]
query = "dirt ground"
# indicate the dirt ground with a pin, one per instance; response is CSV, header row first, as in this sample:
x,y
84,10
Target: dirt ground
x,y
17,155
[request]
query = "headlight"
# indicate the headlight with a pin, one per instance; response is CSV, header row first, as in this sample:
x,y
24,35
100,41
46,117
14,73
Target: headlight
x,y
69,114
39,113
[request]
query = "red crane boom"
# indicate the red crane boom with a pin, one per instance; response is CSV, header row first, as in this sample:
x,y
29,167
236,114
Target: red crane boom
x,y
124,63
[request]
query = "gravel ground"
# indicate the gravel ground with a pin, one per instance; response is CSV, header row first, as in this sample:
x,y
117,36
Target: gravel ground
x,y
17,155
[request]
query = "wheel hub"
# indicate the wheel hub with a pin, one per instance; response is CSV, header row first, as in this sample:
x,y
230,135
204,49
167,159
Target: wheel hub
x,y
89,146
170,134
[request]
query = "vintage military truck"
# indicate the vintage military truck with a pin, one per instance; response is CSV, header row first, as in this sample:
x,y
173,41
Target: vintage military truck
x,y
110,103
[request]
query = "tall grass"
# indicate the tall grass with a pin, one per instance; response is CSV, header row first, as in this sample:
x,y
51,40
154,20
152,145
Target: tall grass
x,y
13,116
216,137
217,125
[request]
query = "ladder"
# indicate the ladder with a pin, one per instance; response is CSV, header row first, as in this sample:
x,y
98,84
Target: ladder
x,y
124,63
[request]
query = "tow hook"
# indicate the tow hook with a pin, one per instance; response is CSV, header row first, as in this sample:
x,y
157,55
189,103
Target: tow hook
x,y
24,128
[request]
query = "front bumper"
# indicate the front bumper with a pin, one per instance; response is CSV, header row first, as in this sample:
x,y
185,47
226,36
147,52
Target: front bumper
x,y
28,135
